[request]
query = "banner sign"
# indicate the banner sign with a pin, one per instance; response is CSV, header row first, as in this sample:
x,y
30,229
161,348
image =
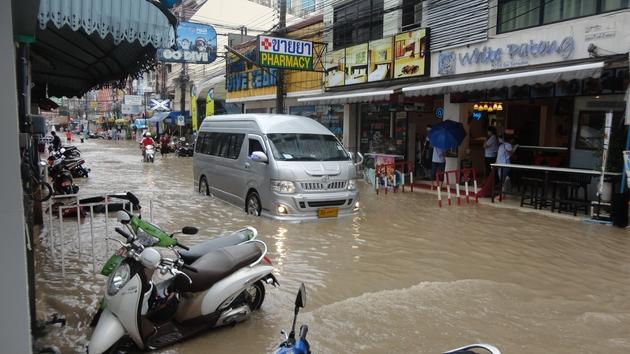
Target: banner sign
x,y
401,56
133,100
160,105
210,103
385,171
410,53
285,53
196,43
193,106
131,109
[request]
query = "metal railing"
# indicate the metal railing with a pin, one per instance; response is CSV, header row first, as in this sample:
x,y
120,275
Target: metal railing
x,y
68,209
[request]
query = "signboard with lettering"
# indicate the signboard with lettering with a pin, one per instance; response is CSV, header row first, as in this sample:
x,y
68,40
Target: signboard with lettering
x,y
196,43
134,100
285,53
334,66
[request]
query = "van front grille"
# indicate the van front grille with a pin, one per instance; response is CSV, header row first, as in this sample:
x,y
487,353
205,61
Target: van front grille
x,y
320,186
326,203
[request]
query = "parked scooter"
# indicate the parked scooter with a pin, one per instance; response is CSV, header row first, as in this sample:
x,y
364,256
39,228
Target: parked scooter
x,y
149,153
300,345
75,166
184,149
67,151
62,179
155,299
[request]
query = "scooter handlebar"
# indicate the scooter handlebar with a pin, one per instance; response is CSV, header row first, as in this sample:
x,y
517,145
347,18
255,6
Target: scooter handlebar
x,y
303,331
124,234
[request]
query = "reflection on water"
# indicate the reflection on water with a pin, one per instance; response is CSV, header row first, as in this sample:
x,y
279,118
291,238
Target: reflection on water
x,y
400,276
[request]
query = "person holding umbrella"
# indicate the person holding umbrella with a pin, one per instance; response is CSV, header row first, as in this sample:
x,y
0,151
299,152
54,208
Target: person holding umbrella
x,y
446,135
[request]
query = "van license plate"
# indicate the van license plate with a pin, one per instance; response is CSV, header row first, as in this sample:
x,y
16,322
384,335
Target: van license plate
x,y
328,212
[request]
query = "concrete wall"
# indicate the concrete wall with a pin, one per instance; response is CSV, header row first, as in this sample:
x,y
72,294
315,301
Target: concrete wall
x,y
15,334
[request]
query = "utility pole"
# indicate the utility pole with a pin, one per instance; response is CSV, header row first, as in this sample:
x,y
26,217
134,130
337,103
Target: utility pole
x,y
183,80
280,78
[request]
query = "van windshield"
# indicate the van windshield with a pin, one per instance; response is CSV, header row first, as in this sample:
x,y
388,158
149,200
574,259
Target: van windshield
x,y
307,147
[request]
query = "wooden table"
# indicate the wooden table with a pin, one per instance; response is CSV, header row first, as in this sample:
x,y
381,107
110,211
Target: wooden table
x,y
546,170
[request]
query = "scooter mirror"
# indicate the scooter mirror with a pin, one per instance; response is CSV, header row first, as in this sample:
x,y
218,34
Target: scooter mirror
x,y
133,199
190,230
123,217
42,163
62,150
150,258
300,300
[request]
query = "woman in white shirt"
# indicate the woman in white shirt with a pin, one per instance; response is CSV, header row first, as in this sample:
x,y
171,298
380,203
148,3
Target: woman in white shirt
x,y
504,154
491,146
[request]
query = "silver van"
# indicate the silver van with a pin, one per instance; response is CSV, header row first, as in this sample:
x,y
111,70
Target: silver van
x,y
282,166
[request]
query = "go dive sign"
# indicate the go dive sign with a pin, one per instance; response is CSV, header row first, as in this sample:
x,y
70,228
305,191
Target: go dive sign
x,y
285,53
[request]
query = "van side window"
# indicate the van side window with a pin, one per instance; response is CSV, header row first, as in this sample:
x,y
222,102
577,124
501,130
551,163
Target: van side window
x,y
254,145
200,138
226,145
235,142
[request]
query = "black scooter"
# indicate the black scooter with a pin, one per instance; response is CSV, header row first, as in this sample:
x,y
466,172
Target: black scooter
x,y
62,179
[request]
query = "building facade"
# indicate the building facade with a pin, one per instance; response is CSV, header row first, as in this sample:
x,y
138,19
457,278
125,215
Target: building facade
x,y
545,72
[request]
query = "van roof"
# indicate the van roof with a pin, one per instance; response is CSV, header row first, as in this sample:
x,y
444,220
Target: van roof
x,y
270,123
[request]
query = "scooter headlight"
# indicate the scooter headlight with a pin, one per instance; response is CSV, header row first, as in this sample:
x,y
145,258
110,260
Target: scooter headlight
x,y
118,279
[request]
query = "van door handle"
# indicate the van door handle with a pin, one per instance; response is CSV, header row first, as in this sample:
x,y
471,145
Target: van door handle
x,y
247,164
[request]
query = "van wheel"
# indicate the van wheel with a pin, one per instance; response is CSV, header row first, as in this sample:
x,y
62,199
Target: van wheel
x,y
203,186
252,204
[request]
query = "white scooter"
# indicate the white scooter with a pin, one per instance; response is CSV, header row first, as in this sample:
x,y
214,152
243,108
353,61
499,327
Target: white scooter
x,y
155,300
149,153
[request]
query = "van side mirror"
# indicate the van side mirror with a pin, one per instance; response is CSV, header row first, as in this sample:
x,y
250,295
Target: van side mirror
x,y
259,156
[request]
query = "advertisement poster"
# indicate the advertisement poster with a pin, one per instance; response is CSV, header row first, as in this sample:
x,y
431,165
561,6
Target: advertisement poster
x,y
357,64
196,43
285,53
334,66
381,59
210,103
410,53
385,170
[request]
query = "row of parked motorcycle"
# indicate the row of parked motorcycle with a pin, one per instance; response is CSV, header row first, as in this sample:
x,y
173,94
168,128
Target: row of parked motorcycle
x,y
65,164
180,147
160,292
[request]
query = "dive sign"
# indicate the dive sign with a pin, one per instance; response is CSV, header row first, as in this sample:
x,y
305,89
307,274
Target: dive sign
x,y
285,53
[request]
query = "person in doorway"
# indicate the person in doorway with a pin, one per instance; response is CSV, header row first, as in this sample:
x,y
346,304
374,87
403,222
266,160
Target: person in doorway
x,y
504,154
427,156
56,142
69,136
491,146
164,141
438,161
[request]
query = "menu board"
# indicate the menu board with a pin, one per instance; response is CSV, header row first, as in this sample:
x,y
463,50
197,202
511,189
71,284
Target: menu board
x,y
409,54
334,66
381,59
357,64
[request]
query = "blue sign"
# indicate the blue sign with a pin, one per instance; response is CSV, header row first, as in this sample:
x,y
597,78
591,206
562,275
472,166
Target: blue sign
x,y
196,43
476,115
439,113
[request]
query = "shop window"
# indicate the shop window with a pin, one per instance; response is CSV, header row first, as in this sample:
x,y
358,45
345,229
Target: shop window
x,y
330,116
591,129
519,14
357,22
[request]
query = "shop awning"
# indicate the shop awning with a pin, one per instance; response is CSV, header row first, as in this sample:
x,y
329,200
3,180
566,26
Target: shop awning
x,y
158,117
512,78
366,95
251,98
90,43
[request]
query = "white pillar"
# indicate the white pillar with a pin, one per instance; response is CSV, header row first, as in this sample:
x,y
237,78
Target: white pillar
x,y
452,112
15,335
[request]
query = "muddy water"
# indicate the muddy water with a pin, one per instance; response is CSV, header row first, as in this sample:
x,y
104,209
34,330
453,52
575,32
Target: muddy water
x,y
402,276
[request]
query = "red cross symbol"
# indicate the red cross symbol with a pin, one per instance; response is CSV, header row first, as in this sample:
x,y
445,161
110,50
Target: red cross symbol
x,y
266,43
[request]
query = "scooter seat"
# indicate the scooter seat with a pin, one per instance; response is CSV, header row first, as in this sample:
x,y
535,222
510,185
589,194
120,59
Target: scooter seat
x,y
197,251
216,265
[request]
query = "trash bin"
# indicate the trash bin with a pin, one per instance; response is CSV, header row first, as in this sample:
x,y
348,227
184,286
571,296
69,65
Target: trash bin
x,y
619,208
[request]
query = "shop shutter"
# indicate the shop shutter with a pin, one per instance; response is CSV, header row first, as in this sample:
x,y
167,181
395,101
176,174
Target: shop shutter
x,y
456,22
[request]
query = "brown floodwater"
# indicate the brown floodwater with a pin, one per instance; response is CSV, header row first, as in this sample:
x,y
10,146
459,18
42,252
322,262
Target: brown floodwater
x,y
400,276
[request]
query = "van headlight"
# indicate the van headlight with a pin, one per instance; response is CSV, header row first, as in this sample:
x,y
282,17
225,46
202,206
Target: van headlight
x,y
352,184
118,279
283,187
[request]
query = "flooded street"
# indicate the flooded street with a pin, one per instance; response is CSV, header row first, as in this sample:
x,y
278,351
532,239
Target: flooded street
x,y
401,276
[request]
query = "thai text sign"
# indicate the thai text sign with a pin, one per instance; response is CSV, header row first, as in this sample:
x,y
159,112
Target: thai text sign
x,y
285,53
196,43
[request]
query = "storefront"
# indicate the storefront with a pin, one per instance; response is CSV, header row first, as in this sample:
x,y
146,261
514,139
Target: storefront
x,y
549,88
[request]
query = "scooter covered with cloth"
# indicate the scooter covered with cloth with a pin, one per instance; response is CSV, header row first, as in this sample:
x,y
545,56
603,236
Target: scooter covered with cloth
x,y
154,299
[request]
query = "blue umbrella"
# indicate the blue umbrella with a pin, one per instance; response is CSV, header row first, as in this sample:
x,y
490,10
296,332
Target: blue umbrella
x,y
446,135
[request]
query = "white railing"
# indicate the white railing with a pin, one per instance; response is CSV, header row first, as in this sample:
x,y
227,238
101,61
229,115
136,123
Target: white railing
x,y
56,206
